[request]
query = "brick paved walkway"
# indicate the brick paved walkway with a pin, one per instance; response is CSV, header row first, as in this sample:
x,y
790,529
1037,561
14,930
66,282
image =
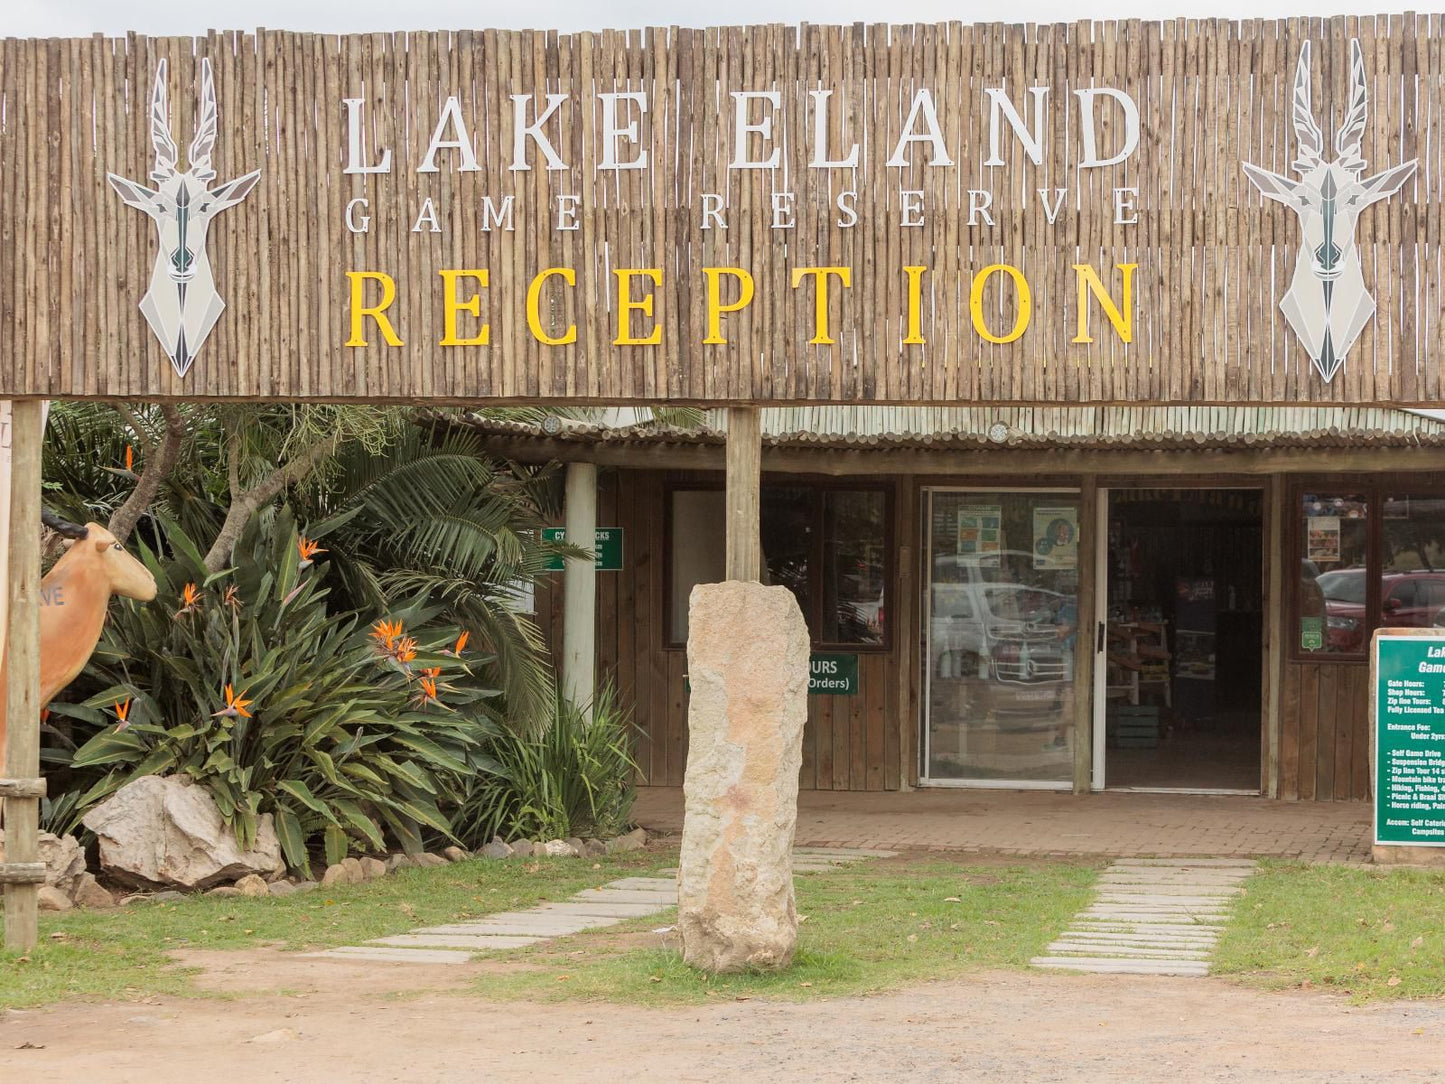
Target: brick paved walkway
x,y
1052,823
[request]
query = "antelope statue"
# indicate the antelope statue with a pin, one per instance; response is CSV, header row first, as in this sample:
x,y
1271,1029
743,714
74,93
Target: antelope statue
x,y
1327,304
74,598
182,305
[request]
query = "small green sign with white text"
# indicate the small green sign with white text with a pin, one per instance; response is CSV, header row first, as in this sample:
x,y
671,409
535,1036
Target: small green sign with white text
x,y
608,548
832,675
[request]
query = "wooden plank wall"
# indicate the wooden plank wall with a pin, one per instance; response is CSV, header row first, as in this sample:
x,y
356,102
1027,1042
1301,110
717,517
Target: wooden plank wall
x,y
1325,732
1213,255
849,742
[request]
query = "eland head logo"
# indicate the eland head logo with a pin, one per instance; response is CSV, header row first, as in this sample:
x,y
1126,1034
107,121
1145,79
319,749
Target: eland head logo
x,y
1327,304
182,305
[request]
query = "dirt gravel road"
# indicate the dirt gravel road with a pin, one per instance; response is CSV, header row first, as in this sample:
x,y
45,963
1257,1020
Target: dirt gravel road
x,y
323,1021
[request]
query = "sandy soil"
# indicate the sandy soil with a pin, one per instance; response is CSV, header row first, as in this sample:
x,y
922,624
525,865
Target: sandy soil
x,y
321,1020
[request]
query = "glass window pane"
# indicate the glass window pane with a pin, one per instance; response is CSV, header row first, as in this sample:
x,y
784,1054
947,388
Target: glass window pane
x,y
1002,624
1334,531
699,537
1412,562
854,538
787,515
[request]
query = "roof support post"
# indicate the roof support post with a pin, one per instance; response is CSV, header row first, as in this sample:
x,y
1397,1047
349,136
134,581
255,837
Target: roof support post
x,y
579,587
22,675
743,500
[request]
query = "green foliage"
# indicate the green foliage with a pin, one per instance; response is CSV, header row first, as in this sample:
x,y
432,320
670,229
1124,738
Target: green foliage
x,y
573,779
279,706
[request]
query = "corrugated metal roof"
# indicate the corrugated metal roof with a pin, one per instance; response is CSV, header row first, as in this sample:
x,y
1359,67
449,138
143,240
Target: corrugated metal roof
x,y
1028,427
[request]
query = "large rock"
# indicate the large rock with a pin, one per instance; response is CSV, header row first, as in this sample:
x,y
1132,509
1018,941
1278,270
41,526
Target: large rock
x,y
747,661
168,831
64,860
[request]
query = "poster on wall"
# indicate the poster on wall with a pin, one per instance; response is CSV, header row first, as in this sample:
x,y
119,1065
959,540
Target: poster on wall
x,y
1323,538
980,532
1056,538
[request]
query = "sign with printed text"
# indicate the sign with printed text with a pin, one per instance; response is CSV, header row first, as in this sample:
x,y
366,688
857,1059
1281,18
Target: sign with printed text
x,y
1409,734
608,548
1202,211
832,674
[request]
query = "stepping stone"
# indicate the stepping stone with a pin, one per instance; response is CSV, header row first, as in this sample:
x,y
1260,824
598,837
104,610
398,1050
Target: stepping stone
x,y
393,955
604,895
528,926
1075,948
610,910
1191,863
1178,941
642,884
482,942
1107,965
849,852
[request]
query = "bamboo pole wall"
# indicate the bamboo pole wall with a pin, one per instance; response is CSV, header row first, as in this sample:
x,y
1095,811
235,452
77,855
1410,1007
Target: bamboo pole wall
x,y
1213,258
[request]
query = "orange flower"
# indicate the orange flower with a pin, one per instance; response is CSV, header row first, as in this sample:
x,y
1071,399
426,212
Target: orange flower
x,y
130,458
190,600
122,710
428,693
308,550
432,672
232,598
235,705
462,639
385,634
405,650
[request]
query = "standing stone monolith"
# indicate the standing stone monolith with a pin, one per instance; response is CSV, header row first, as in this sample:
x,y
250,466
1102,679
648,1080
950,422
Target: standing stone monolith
x,y
747,662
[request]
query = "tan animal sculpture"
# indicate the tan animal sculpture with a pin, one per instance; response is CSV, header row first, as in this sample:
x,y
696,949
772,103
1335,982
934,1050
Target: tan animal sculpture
x,y
74,598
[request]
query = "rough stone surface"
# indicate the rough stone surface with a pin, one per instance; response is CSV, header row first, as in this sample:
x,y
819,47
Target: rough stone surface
x,y
429,859
522,848
90,894
578,846
51,898
747,660
63,858
397,861
168,831
355,874
496,849
281,888
335,875
372,868
303,887
254,885
455,854
594,847
634,840
558,848
225,891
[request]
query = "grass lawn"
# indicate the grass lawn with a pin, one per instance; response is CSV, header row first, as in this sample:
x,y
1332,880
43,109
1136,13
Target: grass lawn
x,y
874,926
121,953
1370,933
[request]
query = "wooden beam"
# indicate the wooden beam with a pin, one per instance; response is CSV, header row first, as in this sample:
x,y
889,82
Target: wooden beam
x,y
1277,583
899,616
744,482
1088,614
579,587
974,462
22,670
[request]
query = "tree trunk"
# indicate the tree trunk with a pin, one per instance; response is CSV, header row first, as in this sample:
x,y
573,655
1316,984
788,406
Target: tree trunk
x,y
158,467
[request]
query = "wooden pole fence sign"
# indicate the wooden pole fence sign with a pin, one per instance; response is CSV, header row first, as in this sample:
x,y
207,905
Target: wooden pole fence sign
x,y
1197,211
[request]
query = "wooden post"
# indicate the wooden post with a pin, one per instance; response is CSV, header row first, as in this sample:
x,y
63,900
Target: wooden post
x,y
579,587
1279,576
1090,612
744,480
22,685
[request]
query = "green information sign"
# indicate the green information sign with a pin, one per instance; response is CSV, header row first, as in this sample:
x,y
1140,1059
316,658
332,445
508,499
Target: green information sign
x,y
1410,740
608,548
832,675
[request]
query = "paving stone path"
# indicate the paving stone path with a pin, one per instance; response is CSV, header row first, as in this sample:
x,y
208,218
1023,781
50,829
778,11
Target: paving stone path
x,y
1153,916
590,909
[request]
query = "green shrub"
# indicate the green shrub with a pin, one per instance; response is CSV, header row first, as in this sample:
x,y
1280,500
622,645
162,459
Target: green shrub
x,y
573,779
244,682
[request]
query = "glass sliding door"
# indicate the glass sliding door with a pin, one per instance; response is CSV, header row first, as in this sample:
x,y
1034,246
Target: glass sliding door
x,y
1001,583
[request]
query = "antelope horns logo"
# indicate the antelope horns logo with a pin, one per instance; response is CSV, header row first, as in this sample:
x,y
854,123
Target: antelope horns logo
x,y
182,305
1327,304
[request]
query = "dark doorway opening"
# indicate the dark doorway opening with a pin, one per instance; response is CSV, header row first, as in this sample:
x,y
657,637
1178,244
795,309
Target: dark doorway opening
x,y
1184,639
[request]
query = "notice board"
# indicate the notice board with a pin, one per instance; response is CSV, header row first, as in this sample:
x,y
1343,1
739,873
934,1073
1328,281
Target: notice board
x,y
1408,701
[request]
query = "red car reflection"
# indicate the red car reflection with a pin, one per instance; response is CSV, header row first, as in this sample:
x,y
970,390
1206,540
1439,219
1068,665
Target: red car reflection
x,y
1409,600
